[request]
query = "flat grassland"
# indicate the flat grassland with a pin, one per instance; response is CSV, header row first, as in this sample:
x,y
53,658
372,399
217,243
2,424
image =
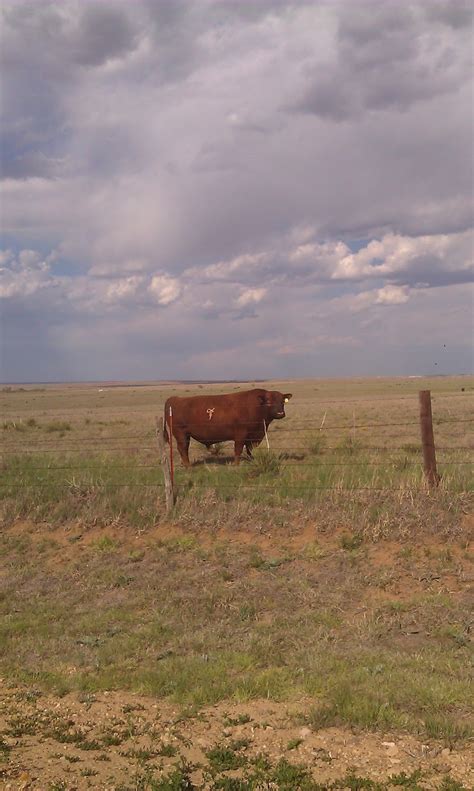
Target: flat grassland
x,y
299,622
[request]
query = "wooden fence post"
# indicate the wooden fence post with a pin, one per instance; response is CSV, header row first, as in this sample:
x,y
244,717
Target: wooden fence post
x,y
427,438
169,492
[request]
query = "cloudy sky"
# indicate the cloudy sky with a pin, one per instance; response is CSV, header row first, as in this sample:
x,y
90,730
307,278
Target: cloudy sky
x,y
235,189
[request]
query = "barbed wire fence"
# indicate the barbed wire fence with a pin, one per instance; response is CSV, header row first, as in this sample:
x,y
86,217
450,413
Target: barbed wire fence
x,y
293,454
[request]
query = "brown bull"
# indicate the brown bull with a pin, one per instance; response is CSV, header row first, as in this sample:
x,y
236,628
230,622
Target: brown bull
x,y
240,417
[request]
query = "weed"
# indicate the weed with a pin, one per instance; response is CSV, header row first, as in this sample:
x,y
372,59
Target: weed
x,y
293,744
141,754
239,744
105,544
111,739
288,777
167,750
448,784
356,783
222,758
89,744
242,719
407,781
22,725
63,735
351,542
313,551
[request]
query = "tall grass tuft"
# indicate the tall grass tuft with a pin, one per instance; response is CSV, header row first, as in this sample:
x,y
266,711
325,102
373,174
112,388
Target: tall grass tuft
x,y
265,462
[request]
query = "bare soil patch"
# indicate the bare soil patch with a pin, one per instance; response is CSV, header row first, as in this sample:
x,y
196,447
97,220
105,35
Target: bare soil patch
x,y
108,741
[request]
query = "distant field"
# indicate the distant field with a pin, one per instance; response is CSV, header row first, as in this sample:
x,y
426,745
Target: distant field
x,y
299,621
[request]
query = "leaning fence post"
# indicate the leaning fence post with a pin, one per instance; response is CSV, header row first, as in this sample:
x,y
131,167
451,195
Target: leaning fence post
x,y
427,438
169,492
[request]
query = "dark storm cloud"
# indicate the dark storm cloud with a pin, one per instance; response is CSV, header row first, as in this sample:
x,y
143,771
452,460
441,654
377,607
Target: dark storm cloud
x,y
103,32
44,48
386,58
457,14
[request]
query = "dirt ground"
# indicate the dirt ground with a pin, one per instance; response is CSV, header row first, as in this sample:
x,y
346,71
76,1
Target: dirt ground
x,y
119,741
123,733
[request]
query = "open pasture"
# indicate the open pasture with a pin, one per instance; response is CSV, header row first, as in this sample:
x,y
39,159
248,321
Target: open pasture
x,y
299,622
90,451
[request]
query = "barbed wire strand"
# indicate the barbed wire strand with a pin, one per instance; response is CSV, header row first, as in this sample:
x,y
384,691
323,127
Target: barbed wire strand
x,y
244,487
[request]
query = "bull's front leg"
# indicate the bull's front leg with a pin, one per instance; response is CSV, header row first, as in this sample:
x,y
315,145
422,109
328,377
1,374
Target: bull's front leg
x,y
238,448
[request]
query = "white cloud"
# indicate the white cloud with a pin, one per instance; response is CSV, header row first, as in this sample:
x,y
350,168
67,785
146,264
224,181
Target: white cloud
x,y
123,288
251,296
422,257
25,275
392,295
164,289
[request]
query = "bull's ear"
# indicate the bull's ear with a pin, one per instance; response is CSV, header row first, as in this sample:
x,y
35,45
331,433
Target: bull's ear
x,y
287,396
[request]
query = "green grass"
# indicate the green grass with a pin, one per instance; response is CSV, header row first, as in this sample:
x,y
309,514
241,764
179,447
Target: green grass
x,y
280,776
260,637
95,488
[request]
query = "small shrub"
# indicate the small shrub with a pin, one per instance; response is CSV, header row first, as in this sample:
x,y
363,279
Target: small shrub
x,y
265,462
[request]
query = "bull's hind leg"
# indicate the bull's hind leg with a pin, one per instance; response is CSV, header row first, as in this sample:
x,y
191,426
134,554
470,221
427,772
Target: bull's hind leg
x,y
238,448
182,441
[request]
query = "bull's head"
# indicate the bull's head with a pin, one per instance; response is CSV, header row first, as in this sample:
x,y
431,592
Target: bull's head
x,y
275,403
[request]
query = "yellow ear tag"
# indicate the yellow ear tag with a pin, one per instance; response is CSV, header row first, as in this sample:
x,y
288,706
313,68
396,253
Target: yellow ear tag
x,y
286,400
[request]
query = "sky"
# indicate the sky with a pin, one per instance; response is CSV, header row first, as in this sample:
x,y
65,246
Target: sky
x,y
226,189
